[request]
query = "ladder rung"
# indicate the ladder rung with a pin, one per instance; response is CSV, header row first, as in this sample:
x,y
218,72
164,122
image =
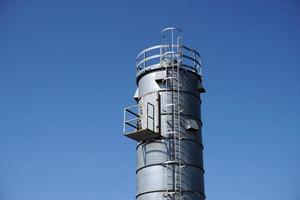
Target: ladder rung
x,y
173,77
170,162
168,77
170,193
169,104
171,132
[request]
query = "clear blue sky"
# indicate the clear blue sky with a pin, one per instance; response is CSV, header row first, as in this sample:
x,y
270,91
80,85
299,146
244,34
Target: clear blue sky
x,y
67,68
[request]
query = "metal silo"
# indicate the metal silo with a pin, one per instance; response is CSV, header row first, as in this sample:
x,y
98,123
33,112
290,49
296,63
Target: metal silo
x,y
166,121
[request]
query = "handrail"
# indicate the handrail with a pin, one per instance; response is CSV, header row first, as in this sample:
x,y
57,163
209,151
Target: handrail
x,y
164,46
151,48
190,58
147,59
190,49
133,122
127,121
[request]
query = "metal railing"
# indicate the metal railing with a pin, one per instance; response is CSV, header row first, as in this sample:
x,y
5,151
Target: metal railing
x,y
133,119
153,57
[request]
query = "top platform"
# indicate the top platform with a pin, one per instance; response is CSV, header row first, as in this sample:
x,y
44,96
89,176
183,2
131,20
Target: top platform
x,y
170,49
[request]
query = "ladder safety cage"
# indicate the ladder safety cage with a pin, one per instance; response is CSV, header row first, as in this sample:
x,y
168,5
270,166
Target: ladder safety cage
x,y
173,54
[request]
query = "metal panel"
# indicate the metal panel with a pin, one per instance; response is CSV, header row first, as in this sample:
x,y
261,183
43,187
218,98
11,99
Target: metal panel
x,y
159,178
149,82
161,196
153,175
145,110
159,151
166,125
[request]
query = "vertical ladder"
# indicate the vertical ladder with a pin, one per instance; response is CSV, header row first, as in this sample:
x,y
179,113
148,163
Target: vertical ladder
x,y
172,84
176,90
166,105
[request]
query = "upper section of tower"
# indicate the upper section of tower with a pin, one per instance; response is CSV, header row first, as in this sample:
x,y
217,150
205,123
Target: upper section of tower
x,y
172,51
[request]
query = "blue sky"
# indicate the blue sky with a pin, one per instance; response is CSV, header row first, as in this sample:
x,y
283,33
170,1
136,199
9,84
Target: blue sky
x,y
67,69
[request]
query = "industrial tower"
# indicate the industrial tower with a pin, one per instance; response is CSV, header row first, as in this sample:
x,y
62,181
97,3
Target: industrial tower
x,y
166,121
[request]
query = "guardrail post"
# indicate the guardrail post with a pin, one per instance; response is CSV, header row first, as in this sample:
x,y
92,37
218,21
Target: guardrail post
x,y
124,119
147,114
160,53
153,127
195,64
144,60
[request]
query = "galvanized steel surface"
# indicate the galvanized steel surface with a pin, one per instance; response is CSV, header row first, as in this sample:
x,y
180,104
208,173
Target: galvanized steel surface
x,y
157,166
153,176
